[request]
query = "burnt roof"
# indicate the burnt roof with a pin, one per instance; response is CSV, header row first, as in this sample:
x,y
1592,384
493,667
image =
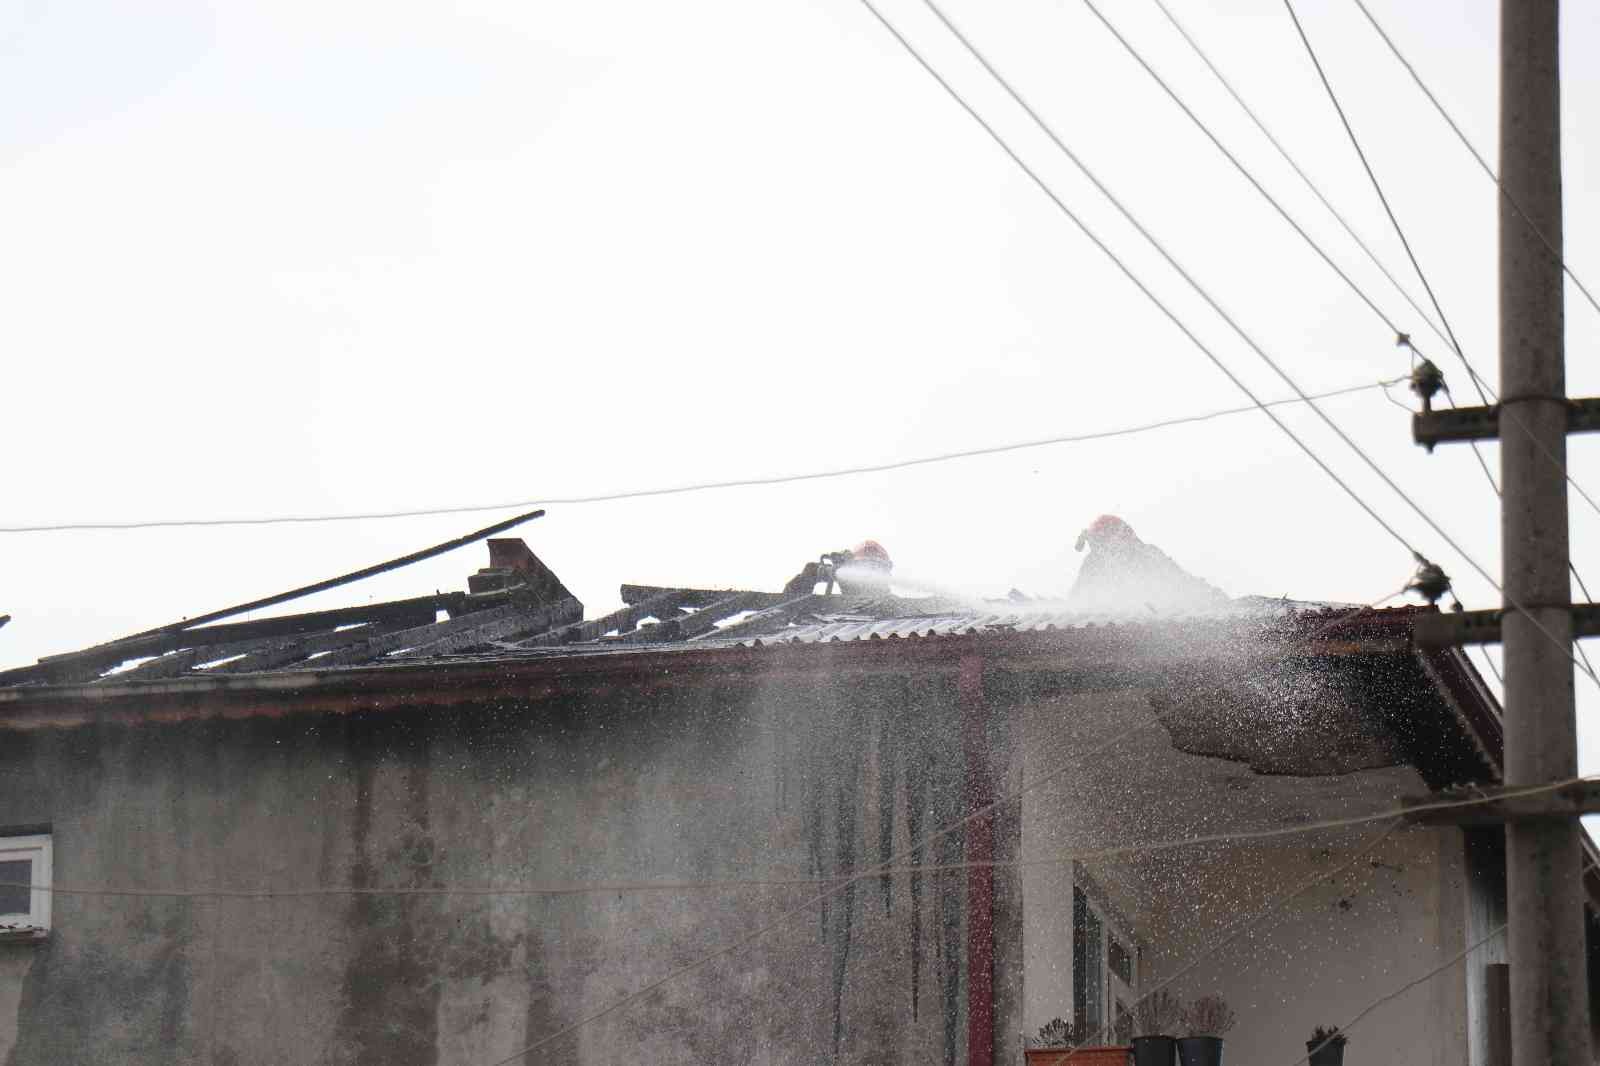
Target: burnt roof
x,y
518,631
506,616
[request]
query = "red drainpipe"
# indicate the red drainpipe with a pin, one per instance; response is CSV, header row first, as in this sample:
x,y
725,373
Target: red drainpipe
x,y
980,877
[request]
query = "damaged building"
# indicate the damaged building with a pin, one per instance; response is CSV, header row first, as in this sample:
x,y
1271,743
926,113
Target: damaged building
x,y
823,823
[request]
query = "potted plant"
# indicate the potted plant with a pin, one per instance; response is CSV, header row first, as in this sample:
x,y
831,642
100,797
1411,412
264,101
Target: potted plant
x,y
1155,1018
1326,1046
1059,1042
1205,1021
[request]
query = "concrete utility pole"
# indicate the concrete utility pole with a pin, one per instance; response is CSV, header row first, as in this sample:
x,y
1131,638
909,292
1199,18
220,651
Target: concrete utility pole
x,y
1549,994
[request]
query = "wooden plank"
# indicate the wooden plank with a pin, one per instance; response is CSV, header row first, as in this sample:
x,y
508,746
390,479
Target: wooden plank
x,y
526,621
272,654
632,594
264,654
91,662
706,618
479,627
702,621
178,635
772,617
381,645
173,664
345,579
623,621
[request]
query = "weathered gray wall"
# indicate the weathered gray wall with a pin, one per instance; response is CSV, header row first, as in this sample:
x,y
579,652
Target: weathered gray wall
x,y
716,783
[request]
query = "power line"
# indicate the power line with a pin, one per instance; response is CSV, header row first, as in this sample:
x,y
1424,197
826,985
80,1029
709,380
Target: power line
x,y
1115,259
1486,393
1114,851
1383,199
702,486
791,914
1476,155
1450,340
1282,211
1294,165
1493,669
1572,567
1394,221
1478,383
1447,335
1056,139
1204,294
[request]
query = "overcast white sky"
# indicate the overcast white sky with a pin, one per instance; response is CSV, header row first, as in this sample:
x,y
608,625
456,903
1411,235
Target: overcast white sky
x,y
310,257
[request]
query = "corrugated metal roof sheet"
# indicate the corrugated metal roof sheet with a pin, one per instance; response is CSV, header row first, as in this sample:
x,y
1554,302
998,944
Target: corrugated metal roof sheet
x,y
856,626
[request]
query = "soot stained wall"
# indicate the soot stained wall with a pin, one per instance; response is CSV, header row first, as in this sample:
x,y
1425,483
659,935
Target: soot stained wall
x,y
713,784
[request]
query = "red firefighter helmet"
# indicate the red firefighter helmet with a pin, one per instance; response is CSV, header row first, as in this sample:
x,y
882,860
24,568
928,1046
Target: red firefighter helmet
x,y
1108,528
872,553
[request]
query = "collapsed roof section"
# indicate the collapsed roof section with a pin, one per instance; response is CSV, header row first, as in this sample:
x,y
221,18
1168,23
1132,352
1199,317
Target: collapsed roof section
x,y
518,606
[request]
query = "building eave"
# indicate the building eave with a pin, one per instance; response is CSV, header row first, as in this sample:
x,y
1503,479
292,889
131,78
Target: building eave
x,y
1106,654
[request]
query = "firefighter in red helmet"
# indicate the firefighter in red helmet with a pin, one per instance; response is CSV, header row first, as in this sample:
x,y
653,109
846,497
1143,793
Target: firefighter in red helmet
x,y
866,571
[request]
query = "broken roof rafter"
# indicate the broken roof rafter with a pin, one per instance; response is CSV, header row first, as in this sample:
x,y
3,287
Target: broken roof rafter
x,y
776,616
269,655
521,623
185,636
446,636
624,620
703,620
344,579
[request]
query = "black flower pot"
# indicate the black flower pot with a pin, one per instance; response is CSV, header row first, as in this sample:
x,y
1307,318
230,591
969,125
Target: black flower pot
x,y
1200,1051
1154,1050
1326,1052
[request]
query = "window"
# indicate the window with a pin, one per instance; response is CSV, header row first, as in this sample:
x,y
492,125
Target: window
x,y
1088,966
1119,961
24,886
1103,971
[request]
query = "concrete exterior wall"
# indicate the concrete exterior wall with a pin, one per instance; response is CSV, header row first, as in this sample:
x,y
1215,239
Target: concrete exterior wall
x,y
1323,957
1370,924
707,783
718,783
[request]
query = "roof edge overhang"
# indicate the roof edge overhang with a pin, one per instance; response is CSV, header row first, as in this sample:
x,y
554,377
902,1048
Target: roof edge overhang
x,y
1107,654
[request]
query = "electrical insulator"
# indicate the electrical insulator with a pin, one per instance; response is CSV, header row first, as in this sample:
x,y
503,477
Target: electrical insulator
x,y
1426,381
1430,582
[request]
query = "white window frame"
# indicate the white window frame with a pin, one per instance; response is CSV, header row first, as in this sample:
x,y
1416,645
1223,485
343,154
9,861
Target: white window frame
x,y
35,847
1119,993
1112,989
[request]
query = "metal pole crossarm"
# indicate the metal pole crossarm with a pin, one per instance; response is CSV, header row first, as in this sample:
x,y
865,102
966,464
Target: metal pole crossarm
x,y
1504,804
1483,627
1483,423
